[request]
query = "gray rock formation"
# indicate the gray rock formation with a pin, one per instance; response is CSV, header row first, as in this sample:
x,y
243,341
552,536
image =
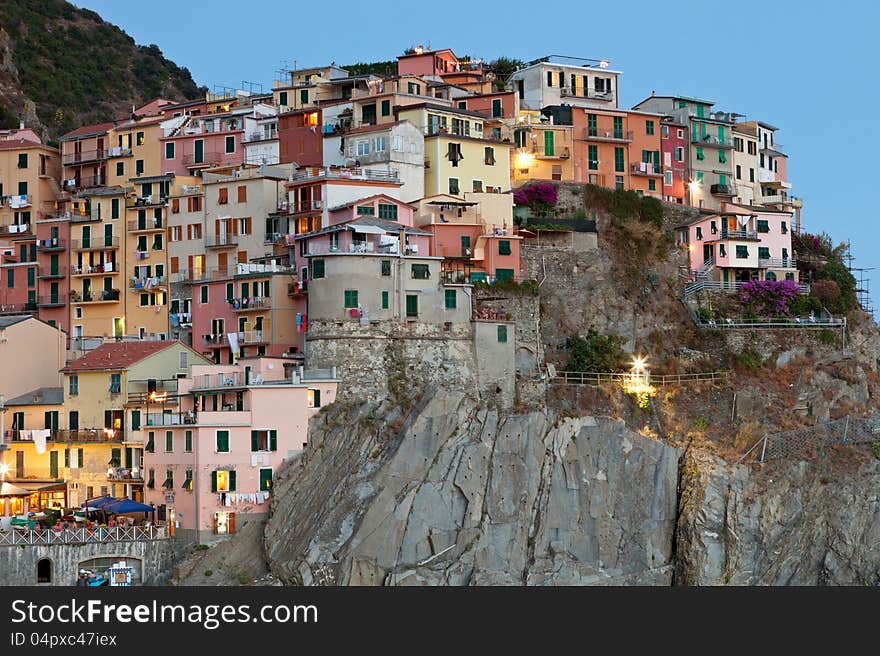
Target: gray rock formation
x,y
454,495
792,524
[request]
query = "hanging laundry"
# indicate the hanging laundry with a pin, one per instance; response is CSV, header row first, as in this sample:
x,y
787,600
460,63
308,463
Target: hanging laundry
x,y
40,437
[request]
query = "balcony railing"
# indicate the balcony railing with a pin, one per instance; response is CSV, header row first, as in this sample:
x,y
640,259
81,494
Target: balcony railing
x,y
72,435
97,269
777,263
18,308
145,283
645,168
345,174
84,156
722,190
90,217
150,223
171,419
49,273
96,243
56,300
85,182
49,245
261,136
600,134
125,475
15,229
739,234
148,201
221,241
118,151
207,159
712,140
250,303
104,296
591,94
23,536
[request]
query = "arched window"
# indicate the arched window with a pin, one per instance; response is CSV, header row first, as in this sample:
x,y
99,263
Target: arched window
x,y
770,276
44,570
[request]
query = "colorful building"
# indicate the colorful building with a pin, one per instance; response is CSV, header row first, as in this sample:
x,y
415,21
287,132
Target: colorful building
x,y
210,462
84,155
745,164
675,149
739,244
32,352
573,81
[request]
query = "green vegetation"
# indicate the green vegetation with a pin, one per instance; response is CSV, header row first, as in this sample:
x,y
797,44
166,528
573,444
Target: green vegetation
x,y
834,286
372,68
875,450
209,572
503,68
705,315
524,287
826,337
596,352
749,360
700,424
79,69
626,205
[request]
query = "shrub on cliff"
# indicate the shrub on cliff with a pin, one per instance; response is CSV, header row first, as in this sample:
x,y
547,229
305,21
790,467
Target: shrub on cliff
x,y
768,298
596,352
540,197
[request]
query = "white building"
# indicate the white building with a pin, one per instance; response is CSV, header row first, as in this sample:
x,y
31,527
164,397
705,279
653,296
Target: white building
x,y
566,80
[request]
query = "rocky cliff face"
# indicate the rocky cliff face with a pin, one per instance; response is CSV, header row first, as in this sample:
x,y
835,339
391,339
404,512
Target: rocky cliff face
x,y
454,494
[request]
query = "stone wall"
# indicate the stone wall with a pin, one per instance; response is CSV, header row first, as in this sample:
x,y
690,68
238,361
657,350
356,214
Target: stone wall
x,y
19,562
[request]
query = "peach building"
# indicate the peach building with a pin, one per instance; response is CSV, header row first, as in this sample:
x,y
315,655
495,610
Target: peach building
x,y
211,461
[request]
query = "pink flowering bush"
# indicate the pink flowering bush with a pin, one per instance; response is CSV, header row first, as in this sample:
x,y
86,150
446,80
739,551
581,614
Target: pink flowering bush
x,y
769,298
540,197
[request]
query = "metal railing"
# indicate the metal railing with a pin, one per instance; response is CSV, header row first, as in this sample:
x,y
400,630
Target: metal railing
x,y
109,267
600,134
122,474
87,435
596,379
151,223
99,535
84,156
344,173
207,159
720,285
146,283
170,419
15,229
592,94
774,322
48,272
220,241
94,296
51,301
777,263
244,304
96,243
54,244
17,308
739,234
723,190
645,168
712,140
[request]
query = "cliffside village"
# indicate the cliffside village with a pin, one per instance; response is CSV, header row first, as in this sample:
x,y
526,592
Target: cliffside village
x,y
183,288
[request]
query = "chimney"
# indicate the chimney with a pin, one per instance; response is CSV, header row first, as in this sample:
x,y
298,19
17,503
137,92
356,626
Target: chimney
x,y
21,125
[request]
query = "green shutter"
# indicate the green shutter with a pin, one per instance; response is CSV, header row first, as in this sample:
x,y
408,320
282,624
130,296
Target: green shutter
x,y
618,127
317,269
384,300
79,457
135,420
502,333
282,98
451,299
114,208
592,125
199,151
350,298
255,441
232,480
214,481
230,144
593,157
317,396
265,480
619,163
504,247
504,274
386,108
548,142
67,457
412,305
222,441
273,439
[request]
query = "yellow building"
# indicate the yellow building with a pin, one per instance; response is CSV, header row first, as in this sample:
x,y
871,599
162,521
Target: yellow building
x,y
97,391
543,151
29,173
459,158
136,150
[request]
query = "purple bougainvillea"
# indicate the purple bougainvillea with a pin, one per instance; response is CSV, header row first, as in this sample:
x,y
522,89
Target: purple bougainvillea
x,y
769,298
541,194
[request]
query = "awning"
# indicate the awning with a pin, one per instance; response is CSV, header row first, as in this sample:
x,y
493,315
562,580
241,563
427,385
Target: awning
x,y
368,229
42,486
126,506
10,490
452,203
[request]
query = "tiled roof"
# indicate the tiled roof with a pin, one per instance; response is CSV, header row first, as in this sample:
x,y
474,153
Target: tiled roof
x,y
17,144
5,322
40,396
97,128
116,356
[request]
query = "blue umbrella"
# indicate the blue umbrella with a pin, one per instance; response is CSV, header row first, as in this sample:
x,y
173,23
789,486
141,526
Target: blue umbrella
x,y
96,504
126,506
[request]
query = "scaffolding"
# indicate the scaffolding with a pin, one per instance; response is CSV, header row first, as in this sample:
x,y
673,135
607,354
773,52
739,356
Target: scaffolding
x,y
863,280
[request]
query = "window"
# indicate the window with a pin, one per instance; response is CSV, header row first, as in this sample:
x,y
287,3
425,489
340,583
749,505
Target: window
x,y
169,442
667,178
115,383
722,251
317,269
412,305
203,290
282,98
450,297
169,150
420,272
264,440
751,175
618,182
242,194
351,298
139,167
700,155
722,157
477,186
22,160
763,225
549,146
784,228
44,570
139,139
304,96
453,186
763,253
388,211
679,154
496,108
230,144
384,300
22,188
652,184
72,385
699,177
489,156
592,125
502,334
120,169
699,233
549,78
618,124
593,157
742,252
222,441
386,267
265,479
664,131
738,172
619,163
222,196
314,398
188,441
649,127
223,480
504,247
386,108
150,446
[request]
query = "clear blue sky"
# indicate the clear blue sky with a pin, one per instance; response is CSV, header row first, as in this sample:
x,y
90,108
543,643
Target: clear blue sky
x,y
808,69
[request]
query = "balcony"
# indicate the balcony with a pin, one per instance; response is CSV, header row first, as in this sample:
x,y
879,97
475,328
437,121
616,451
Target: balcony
x,y
91,217
96,244
221,241
306,207
169,419
712,141
295,289
148,201
261,136
613,136
103,296
148,224
146,283
84,156
86,536
125,475
589,94
558,153
96,270
215,340
739,234
16,229
51,301
51,245
51,273
251,303
18,308
645,169
722,190
86,182
315,172
119,151
207,159
777,263
140,391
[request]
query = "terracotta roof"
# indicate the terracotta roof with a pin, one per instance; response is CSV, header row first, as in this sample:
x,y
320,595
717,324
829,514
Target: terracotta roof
x,y
16,144
116,356
98,128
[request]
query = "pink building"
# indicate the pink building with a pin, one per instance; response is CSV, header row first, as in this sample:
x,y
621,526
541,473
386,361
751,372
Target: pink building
x,y
203,141
211,460
500,104
740,244
674,148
